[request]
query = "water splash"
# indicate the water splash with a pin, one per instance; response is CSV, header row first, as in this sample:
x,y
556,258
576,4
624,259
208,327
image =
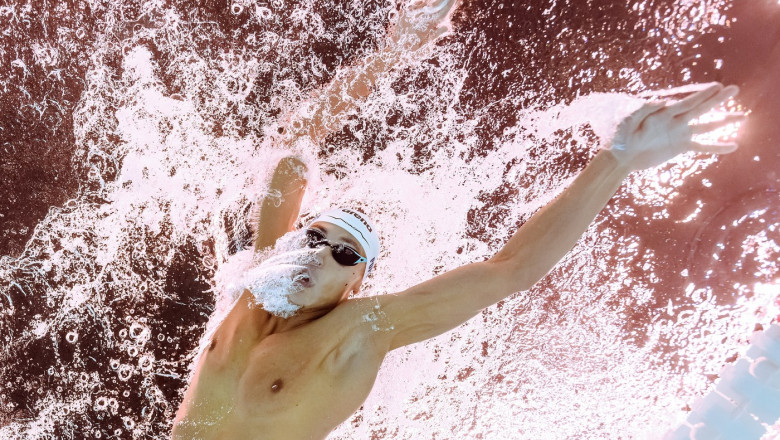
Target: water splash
x,y
179,120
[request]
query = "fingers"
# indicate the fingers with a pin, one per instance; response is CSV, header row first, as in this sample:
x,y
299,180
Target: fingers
x,y
647,109
716,148
710,126
712,102
695,100
635,119
417,4
437,11
442,7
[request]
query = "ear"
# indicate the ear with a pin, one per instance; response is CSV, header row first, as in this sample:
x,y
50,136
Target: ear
x,y
354,287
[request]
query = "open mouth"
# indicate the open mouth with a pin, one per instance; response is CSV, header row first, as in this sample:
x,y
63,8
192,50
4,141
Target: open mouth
x,y
303,278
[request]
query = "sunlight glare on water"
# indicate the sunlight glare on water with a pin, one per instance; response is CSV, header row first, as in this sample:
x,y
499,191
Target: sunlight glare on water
x,y
179,126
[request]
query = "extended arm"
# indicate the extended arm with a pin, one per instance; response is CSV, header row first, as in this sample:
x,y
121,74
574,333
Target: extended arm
x,y
443,303
652,135
418,25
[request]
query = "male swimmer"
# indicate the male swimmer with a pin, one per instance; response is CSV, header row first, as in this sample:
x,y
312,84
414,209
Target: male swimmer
x,y
303,360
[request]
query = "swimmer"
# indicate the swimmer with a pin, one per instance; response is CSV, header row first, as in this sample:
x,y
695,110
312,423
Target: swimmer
x,y
298,373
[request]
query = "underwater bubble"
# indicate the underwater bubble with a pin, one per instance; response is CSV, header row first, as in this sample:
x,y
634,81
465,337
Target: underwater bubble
x,y
72,337
700,296
125,372
137,330
263,13
146,363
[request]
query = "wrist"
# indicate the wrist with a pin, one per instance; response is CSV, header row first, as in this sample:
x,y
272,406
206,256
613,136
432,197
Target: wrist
x,y
613,161
383,61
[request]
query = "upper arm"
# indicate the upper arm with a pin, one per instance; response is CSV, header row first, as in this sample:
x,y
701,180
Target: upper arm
x,y
442,303
281,207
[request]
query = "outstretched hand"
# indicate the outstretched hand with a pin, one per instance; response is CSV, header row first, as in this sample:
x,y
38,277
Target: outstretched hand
x,y
659,131
420,23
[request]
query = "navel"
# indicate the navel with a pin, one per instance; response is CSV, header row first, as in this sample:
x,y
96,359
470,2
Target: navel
x,y
213,344
277,385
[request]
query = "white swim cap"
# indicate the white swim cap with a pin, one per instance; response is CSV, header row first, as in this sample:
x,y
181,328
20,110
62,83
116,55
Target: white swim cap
x,y
359,227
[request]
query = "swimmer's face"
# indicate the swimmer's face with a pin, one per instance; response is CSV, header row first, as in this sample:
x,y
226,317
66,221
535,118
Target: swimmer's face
x,y
330,283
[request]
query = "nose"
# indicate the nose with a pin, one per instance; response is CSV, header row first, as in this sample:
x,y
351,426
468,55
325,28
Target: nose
x,y
321,252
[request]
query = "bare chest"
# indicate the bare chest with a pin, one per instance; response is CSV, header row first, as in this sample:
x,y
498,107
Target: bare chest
x,y
297,376
239,390
304,382
280,371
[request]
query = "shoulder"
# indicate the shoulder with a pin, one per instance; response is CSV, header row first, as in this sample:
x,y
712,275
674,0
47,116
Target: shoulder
x,y
361,333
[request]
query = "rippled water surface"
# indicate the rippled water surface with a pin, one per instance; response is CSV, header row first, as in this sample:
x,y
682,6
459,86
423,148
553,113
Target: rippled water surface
x,y
133,134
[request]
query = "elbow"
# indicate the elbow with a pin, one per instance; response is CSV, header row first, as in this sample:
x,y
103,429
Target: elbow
x,y
513,274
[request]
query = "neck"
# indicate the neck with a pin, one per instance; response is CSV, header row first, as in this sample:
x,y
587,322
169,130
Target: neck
x,y
277,324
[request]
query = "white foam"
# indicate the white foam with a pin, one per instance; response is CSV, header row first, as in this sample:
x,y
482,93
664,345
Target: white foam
x,y
270,275
553,362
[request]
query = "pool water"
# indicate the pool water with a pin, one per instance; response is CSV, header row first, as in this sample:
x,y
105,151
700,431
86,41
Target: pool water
x,y
135,137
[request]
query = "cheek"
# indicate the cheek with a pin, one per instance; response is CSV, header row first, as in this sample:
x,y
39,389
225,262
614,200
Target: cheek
x,y
349,277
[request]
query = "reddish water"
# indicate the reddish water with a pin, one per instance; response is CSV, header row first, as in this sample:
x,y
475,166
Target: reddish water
x,y
132,132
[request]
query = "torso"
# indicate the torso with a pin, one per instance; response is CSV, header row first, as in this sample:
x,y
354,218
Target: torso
x,y
254,383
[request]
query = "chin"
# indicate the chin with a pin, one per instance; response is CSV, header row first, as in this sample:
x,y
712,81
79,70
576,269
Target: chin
x,y
304,297
298,298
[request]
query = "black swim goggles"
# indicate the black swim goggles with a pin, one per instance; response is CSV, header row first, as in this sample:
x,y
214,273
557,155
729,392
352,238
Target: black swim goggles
x,y
343,254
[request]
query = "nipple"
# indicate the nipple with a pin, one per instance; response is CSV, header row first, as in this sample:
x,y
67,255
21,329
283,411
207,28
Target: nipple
x,y
277,385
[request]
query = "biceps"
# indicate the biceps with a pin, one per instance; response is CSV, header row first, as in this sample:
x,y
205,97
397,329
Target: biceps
x,y
445,302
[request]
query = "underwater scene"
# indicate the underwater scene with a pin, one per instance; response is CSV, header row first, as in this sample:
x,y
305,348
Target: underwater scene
x,y
138,136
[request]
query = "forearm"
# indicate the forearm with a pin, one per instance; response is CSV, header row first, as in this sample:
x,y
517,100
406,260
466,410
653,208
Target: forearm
x,y
550,233
342,95
356,82
281,206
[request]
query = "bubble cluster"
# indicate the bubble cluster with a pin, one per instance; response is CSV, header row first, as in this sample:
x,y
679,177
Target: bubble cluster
x,y
176,116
